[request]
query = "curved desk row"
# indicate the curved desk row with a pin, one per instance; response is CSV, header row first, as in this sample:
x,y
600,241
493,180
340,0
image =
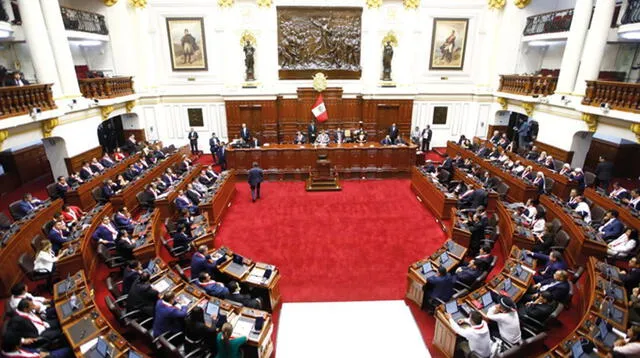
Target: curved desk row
x,y
165,203
433,195
630,217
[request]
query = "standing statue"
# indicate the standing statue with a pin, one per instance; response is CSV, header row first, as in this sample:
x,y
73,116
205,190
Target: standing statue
x,y
249,51
387,56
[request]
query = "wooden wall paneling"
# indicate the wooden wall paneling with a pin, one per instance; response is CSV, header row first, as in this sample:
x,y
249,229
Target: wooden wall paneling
x,y
620,155
288,122
491,128
139,133
25,165
556,153
75,163
376,113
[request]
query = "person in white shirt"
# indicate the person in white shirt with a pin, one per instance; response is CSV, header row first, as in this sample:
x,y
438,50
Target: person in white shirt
x,y
506,316
624,244
19,291
45,258
583,209
618,192
517,168
530,211
566,169
538,223
323,138
477,335
629,346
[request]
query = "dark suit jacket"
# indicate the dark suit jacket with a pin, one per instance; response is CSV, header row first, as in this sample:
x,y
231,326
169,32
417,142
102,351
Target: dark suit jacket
x,y
24,208
125,249
107,191
96,169
468,275
312,131
57,240
168,319
104,234
483,262
255,176
613,230
193,196
22,327
84,174
107,163
393,132
448,165
539,311
11,82
193,136
246,300
631,279
245,134
199,264
429,134
142,296
440,287
61,190
129,277
546,272
130,174
560,292
604,170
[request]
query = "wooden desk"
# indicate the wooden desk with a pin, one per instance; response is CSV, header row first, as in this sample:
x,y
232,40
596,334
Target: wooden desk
x,y
166,205
290,161
511,231
473,182
62,289
145,250
562,184
218,202
20,242
580,245
82,195
626,214
432,196
519,191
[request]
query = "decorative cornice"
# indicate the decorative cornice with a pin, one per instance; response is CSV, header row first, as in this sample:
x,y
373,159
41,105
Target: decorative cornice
x,y
140,4
411,4
110,2
528,108
4,134
504,104
591,120
635,128
106,111
374,4
264,3
129,105
497,4
48,126
521,4
225,3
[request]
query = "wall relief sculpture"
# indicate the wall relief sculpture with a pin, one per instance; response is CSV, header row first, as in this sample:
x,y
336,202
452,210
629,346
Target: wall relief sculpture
x,y
312,39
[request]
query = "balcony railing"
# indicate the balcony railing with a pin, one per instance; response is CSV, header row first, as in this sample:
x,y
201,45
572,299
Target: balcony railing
x,y
632,13
620,96
528,85
102,88
550,22
78,20
19,100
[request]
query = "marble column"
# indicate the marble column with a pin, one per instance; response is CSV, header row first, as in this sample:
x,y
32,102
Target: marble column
x,y
573,48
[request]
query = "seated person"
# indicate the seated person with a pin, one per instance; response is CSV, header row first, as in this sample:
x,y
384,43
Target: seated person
x,y
106,233
123,220
578,176
185,164
544,241
120,182
468,274
465,165
386,140
130,275
533,154
630,278
527,174
539,182
399,140
494,138
168,316
46,259
27,324
323,138
361,137
197,334
202,189
542,157
182,202
518,168
58,235
14,345
118,156
160,185
484,258
476,333
504,141
628,346
71,214
125,246
142,296
339,136
558,286
169,177
549,163
75,179
619,192
106,161
181,239
108,188
186,220
538,223
245,299
429,167
212,287
86,172
583,209
61,187
612,227
634,201
530,211
211,173
19,292
150,194
158,153
131,173
477,197
204,179
552,264
624,244
201,262
566,169
572,202
438,287
27,205
505,315
539,309
193,195
299,138
96,166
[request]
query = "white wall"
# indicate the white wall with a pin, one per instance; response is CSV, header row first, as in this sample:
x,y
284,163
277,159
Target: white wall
x,y
16,56
56,151
580,147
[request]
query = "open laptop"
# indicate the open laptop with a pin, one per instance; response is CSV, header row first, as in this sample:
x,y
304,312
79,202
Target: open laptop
x,y
151,267
576,350
606,336
103,348
509,288
487,301
452,308
427,270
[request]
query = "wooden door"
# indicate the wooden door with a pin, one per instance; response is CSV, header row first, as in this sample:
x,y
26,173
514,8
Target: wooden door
x,y
386,115
250,114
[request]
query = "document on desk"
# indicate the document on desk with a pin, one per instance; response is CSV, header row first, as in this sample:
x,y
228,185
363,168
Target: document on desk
x,y
87,346
243,327
160,286
256,275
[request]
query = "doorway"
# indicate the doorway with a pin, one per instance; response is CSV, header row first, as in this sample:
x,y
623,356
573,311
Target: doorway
x,y
111,134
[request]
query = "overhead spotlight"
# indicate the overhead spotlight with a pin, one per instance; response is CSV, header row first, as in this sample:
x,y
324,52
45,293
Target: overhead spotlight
x,y
35,111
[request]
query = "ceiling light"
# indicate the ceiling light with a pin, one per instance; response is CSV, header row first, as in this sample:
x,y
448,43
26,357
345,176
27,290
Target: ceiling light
x,y
86,42
631,35
540,43
5,33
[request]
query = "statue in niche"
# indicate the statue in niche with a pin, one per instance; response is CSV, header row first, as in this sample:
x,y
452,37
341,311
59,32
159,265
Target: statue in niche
x,y
249,51
387,56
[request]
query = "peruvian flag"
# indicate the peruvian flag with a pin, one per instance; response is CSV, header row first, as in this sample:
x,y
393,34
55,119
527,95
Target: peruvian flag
x,y
319,110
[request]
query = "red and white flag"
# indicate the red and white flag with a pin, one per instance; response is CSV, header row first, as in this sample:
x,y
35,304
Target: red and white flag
x,y
319,110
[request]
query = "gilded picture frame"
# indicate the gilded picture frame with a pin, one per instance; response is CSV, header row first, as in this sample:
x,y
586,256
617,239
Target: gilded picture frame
x,y
448,44
187,43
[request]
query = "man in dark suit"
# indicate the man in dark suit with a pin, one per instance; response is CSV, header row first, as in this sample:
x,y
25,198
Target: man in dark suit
x,y
58,235
631,278
558,286
476,198
142,296
86,172
439,287
125,245
131,274
107,189
553,262
27,205
540,309
245,134
386,140
447,164
468,274
96,166
255,177
214,143
338,136
393,132
246,300
182,202
61,187
533,153
106,233
27,324
222,156
149,195
477,226
212,287
16,80
168,317
483,259
612,227
193,194
131,172
604,173
488,181
201,262
106,161
193,141
426,138
123,221
312,132
633,201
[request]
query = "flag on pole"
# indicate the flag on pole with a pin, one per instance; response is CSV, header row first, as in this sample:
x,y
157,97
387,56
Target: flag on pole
x,y
319,110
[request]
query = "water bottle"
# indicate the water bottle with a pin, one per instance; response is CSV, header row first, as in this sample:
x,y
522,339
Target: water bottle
x,y
73,301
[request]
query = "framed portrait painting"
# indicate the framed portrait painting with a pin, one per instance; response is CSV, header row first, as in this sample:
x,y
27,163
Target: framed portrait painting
x,y
448,44
187,43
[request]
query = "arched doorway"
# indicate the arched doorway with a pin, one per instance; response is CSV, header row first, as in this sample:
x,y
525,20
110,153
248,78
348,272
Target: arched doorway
x,y
111,134
509,122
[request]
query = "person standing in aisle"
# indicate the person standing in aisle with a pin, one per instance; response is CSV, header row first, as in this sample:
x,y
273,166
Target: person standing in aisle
x,y
255,177
193,141
426,138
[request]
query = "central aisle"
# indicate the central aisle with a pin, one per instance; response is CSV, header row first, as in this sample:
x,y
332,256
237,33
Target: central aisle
x,y
349,329
353,245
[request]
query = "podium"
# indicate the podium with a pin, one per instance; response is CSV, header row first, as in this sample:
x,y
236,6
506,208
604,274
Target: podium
x,y
323,177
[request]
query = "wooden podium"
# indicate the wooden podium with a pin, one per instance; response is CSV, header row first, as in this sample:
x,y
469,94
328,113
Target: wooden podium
x,y
323,178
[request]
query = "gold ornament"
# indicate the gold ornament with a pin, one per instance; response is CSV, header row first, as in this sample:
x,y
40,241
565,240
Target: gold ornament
x,y
390,37
4,134
110,2
48,126
247,36
319,82
225,3
106,111
374,4
411,4
528,107
129,105
497,4
591,120
635,128
264,3
521,4
140,4
504,104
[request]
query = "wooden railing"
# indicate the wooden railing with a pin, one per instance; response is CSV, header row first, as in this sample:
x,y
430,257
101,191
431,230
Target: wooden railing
x,y
528,85
106,87
19,100
550,22
621,96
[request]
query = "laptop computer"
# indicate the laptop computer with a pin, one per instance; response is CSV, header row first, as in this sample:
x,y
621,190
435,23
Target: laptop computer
x,y
487,300
607,337
576,350
451,307
444,258
151,267
212,309
103,348
133,354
